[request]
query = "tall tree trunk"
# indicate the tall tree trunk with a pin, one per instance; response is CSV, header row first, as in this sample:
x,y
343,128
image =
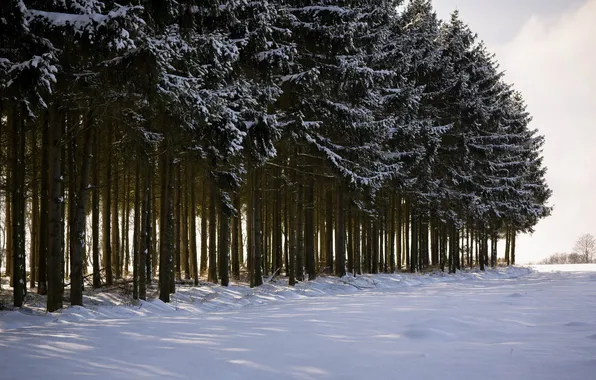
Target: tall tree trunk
x,y
392,234
236,225
329,231
204,218
80,221
137,269
125,224
166,228
184,224
309,233
116,267
212,233
44,220
151,253
291,265
177,221
357,244
340,235
193,227
106,220
55,242
513,234
34,241
224,243
95,212
18,205
374,246
414,242
258,233
299,270
144,270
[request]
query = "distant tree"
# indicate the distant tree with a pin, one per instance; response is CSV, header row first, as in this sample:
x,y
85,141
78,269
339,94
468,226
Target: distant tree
x,y
585,248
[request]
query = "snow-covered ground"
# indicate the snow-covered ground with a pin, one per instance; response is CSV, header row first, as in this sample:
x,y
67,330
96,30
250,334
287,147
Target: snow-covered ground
x,y
510,323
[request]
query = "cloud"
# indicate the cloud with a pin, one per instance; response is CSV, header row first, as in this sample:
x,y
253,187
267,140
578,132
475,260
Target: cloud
x,y
552,61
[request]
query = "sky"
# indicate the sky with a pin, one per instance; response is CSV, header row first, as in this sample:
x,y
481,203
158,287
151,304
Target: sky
x,y
547,49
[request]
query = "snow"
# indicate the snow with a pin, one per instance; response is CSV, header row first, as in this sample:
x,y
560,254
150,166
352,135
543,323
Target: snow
x,y
509,323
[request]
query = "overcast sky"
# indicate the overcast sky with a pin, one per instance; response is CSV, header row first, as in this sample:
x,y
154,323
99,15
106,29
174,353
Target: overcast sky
x,y
548,50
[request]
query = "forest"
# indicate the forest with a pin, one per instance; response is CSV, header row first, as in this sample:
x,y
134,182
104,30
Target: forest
x,y
157,141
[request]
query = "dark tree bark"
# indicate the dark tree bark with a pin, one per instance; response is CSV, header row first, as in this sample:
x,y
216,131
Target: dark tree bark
x,y
17,187
193,228
399,234
309,233
340,236
414,242
34,241
184,225
513,234
56,243
80,221
166,228
177,221
95,213
357,244
236,225
106,220
292,244
116,259
299,269
258,234
136,235
224,243
329,231
151,254
212,277
144,271
204,218
44,206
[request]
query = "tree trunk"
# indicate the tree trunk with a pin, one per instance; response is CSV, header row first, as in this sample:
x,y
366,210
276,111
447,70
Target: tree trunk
x,y
18,205
340,235
258,234
145,231
414,242
80,221
34,241
357,246
116,267
106,220
513,234
204,218
236,225
291,265
193,228
166,240
44,206
224,243
178,221
95,212
212,233
329,231
299,270
309,233
136,235
55,242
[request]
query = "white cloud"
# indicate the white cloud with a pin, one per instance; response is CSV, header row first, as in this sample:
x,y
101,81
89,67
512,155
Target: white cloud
x,y
552,61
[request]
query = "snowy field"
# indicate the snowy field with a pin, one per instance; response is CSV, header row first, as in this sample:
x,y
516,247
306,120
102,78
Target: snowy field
x,y
510,323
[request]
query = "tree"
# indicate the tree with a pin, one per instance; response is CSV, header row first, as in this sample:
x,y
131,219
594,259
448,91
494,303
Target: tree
x,y
585,248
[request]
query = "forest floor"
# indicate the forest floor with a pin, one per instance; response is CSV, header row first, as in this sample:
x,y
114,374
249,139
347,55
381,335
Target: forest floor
x,y
507,323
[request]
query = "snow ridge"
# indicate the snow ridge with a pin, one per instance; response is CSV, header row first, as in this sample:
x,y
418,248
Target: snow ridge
x,y
209,298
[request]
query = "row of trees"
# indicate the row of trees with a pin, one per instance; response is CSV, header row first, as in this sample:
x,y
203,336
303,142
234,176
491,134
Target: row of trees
x,y
181,137
584,252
